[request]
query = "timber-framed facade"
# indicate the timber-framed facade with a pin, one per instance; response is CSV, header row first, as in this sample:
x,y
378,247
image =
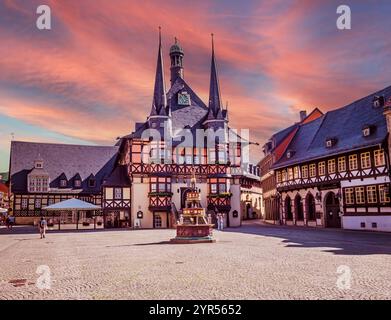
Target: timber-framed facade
x,y
142,181
335,172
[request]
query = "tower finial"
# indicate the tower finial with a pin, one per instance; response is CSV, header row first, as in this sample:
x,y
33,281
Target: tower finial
x,y
159,102
215,105
176,40
213,43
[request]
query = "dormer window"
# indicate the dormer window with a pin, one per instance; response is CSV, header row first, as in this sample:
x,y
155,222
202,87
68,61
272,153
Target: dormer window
x,y
38,164
91,183
331,142
290,154
77,183
63,183
378,101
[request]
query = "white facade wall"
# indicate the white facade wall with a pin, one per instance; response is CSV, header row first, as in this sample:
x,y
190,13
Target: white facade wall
x,y
140,203
235,206
354,223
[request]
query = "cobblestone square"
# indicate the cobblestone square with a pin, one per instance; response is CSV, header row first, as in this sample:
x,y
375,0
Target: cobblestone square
x,y
251,262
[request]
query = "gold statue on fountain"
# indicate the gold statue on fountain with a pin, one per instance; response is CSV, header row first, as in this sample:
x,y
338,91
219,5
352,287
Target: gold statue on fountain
x,y
193,225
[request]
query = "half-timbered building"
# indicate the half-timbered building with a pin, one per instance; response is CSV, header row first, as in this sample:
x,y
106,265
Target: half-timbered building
x,y
335,171
143,180
273,150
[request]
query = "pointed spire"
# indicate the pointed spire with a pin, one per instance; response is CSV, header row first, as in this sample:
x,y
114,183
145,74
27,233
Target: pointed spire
x,y
214,89
159,103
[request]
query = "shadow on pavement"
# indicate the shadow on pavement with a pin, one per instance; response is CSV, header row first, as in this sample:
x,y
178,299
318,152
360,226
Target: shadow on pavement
x,y
341,242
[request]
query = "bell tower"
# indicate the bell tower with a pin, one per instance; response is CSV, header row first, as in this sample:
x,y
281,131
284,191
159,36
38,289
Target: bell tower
x,y
176,56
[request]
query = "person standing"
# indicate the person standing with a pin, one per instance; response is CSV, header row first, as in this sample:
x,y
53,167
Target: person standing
x,y
218,221
42,227
222,221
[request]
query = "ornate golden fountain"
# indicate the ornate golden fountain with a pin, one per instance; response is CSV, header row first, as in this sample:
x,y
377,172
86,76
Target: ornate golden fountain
x,y
193,225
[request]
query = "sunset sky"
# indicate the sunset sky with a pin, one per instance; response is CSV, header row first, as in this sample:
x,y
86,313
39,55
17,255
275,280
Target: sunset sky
x,y
91,77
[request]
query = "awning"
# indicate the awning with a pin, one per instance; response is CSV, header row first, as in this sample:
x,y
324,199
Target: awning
x,y
72,204
2,210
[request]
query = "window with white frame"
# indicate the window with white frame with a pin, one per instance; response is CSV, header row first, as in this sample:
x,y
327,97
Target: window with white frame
x,y
37,203
283,175
32,184
353,165
379,157
304,172
218,185
290,174
24,203
296,172
365,160
341,164
349,196
383,197
63,183
312,170
371,194
360,195
117,193
45,184
331,166
322,168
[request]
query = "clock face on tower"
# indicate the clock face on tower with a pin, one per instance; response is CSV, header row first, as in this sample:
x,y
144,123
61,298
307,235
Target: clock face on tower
x,y
184,99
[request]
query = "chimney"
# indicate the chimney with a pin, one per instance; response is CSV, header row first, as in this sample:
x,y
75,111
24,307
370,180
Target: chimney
x,y
303,115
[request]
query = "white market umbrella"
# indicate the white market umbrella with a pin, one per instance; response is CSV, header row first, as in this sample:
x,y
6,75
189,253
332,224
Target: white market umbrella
x,y
72,204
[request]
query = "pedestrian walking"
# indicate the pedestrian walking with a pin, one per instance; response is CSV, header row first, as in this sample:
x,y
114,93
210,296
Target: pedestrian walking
x,y
222,221
42,227
218,221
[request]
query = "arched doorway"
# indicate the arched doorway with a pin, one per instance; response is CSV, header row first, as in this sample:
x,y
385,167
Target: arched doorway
x,y
310,207
299,208
288,208
333,220
248,211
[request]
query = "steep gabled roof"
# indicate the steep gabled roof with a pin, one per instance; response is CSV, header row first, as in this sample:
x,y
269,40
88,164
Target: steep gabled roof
x,y
345,125
61,158
185,115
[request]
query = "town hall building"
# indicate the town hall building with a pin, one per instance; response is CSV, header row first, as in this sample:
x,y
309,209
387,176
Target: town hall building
x,y
143,179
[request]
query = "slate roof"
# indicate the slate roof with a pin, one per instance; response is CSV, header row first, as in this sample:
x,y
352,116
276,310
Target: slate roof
x,y
118,178
181,116
344,124
60,159
281,135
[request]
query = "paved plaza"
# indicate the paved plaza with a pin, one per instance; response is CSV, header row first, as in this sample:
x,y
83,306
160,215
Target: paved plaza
x,y
251,262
